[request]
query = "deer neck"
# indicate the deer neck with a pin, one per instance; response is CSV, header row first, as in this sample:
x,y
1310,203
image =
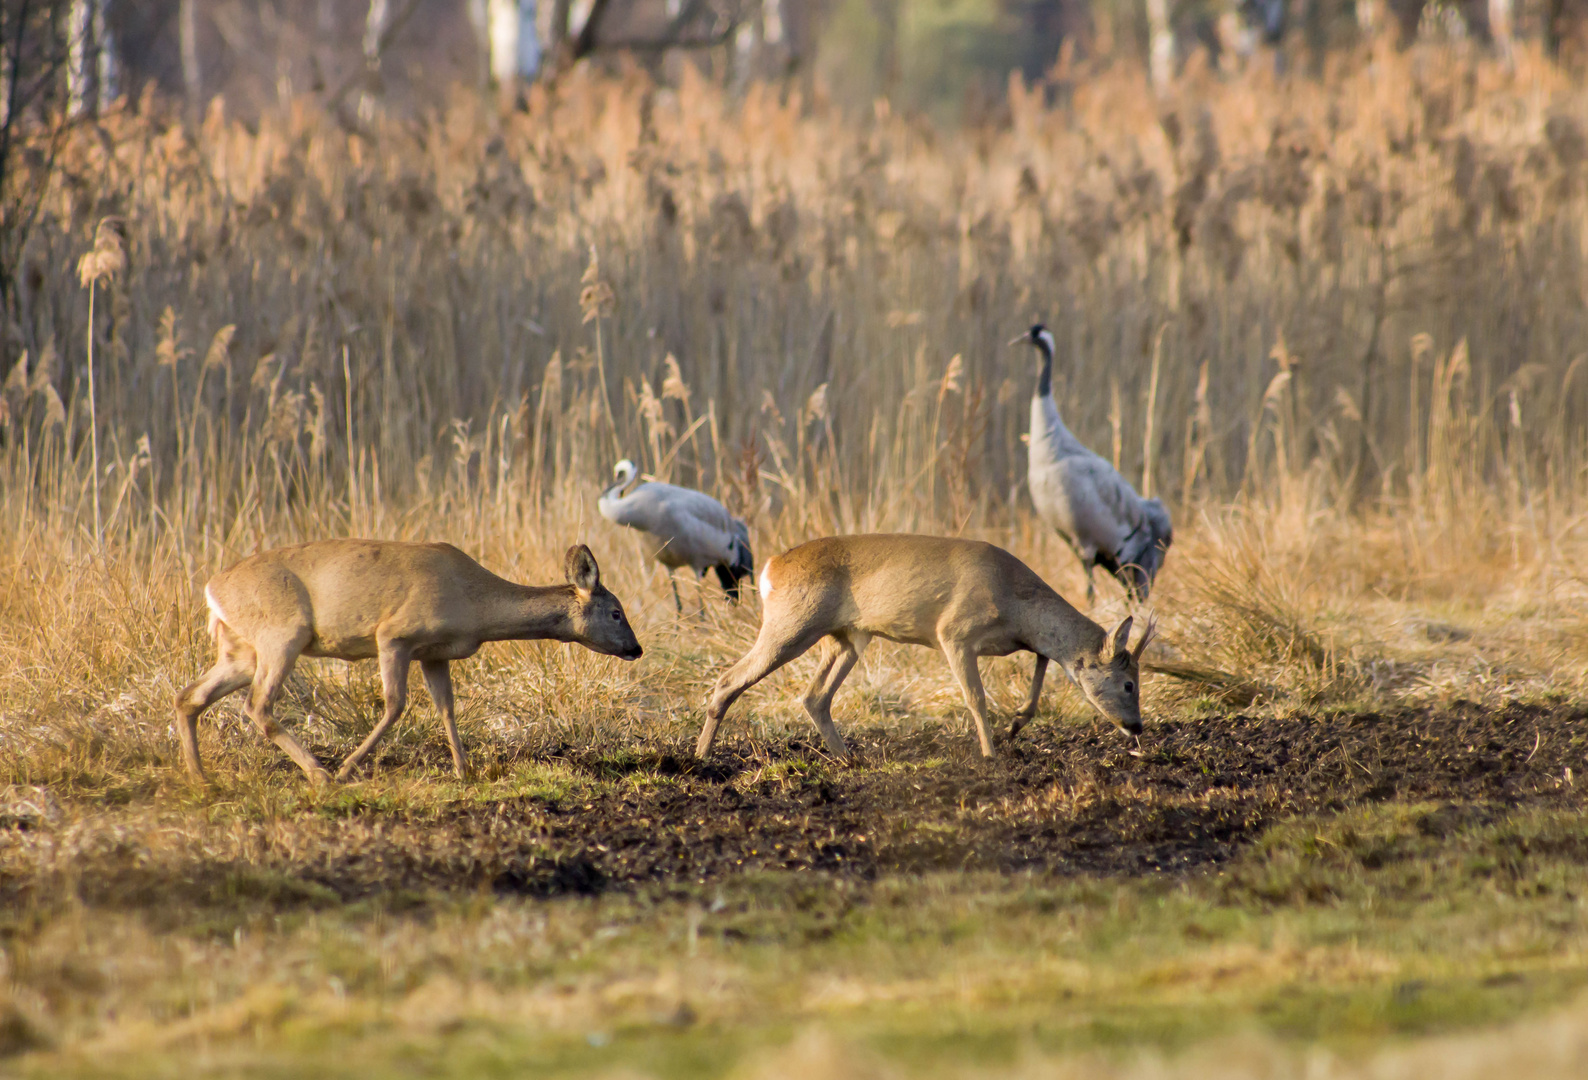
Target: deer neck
x,y
526,611
1059,632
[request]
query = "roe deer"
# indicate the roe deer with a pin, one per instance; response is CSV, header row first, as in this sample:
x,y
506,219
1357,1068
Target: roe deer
x,y
964,597
357,599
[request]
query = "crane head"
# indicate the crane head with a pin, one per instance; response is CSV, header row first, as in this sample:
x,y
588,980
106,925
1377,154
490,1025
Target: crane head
x,y
624,470
1039,337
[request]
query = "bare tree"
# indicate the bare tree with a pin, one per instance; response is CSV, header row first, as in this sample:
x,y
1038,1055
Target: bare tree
x,y
33,52
514,42
557,29
1160,45
374,27
187,29
78,20
380,27
1501,14
105,55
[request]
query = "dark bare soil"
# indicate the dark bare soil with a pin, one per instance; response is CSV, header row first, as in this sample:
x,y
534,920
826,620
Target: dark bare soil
x,y
1060,800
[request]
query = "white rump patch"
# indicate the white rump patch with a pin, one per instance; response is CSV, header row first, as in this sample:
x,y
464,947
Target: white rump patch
x,y
217,616
765,580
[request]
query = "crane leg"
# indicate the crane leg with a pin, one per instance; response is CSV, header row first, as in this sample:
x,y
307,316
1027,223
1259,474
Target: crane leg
x,y
673,581
1091,587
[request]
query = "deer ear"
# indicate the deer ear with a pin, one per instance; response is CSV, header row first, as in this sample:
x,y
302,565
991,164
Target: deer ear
x,y
1119,640
580,566
1146,636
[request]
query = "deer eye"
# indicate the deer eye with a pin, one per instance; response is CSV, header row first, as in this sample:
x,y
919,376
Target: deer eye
x,y
1130,687
617,615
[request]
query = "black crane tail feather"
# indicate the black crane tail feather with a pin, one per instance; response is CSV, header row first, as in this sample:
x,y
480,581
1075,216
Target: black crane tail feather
x,y
731,573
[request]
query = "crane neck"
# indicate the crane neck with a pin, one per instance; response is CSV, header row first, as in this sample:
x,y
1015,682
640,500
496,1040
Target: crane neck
x,y
614,490
1045,377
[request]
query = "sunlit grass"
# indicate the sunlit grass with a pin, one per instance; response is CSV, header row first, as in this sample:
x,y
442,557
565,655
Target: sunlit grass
x,y
1364,295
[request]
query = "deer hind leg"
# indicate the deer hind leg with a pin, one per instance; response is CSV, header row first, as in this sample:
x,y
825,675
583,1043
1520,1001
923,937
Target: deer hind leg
x,y
274,663
767,655
438,680
395,657
233,670
962,662
1023,717
839,659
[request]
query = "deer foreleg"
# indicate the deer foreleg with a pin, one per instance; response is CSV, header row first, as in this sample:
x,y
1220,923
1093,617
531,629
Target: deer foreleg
x,y
962,662
394,660
1023,717
438,680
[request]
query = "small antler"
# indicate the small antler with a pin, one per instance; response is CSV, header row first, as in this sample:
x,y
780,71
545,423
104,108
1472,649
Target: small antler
x,y
1146,635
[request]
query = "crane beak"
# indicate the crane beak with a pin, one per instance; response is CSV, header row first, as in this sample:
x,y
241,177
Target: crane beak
x,y
1026,338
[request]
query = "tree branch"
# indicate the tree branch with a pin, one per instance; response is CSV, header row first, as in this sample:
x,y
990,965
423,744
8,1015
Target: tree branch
x,y
665,43
585,43
333,103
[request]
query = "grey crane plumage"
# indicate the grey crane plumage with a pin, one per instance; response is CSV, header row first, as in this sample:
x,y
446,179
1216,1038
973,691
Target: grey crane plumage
x,y
688,528
1083,497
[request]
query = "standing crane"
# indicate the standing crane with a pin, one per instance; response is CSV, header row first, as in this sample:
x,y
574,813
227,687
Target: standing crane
x,y
688,527
1084,499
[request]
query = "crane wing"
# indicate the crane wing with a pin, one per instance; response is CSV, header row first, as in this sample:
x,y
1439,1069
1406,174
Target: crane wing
x,y
691,525
1104,507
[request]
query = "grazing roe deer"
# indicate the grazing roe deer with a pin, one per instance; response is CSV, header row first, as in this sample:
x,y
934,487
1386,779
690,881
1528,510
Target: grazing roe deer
x,y
964,597
357,599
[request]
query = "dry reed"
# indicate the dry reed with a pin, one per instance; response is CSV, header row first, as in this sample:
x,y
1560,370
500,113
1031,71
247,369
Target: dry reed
x,y
1347,315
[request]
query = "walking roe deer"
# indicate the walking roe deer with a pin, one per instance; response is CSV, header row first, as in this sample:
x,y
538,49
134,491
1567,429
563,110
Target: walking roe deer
x,y
966,598
400,602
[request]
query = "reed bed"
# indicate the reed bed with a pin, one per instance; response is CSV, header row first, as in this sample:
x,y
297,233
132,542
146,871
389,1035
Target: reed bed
x,y
1336,324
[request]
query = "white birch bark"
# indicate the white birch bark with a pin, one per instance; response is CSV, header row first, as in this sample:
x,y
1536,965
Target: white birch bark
x,y
187,28
105,55
515,44
1501,13
1367,12
78,20
374,27
1160,47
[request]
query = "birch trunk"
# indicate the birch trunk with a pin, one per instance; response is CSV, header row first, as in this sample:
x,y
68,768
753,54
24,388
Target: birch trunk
x,y
515,46
192,76
78,19
374,27
1367,16
1160,47
1501,13
105,55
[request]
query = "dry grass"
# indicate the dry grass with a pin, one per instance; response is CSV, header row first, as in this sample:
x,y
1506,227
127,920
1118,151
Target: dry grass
x,y
1363,297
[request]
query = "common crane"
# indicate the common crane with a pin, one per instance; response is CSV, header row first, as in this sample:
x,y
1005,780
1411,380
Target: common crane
x,y
1084,498
689,528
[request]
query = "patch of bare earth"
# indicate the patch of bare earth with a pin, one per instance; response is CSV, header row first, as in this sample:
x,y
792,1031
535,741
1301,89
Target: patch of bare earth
x,y
1060,800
